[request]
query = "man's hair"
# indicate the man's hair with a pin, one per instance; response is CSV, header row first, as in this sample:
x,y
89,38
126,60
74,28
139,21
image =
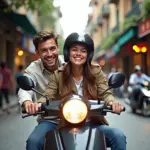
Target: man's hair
x,y
44,36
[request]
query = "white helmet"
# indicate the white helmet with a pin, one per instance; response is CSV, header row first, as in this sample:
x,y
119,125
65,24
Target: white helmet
x,y
137,68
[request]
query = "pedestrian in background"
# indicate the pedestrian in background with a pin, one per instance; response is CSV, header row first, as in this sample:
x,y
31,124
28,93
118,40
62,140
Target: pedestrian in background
x,y
18,74
119,92
1,79
113,70
7,78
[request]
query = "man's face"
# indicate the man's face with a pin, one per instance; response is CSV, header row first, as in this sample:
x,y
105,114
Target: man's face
x,y
48,52
78,54
139,73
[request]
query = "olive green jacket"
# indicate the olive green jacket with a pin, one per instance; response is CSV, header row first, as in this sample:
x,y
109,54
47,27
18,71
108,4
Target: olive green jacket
x,y
53,90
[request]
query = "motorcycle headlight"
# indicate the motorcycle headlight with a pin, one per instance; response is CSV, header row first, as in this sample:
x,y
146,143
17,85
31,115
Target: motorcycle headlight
x,y
75,111
146,92
146,83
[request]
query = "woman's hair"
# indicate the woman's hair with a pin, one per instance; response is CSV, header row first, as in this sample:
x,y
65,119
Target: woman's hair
x,y
88,84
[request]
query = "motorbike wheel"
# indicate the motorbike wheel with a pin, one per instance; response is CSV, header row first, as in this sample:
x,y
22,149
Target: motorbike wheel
x,y
145,110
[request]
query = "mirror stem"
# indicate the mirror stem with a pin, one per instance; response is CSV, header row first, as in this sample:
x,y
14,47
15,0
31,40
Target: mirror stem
x,y
47,101
104,93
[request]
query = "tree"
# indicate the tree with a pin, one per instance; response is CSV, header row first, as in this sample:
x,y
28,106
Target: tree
x,y
61,44
43,7
146,9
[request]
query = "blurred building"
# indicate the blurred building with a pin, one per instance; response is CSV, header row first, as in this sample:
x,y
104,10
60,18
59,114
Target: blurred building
x,y
17,28
121,37
16,32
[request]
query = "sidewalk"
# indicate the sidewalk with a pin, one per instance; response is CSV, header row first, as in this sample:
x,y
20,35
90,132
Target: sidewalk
x,y
13,105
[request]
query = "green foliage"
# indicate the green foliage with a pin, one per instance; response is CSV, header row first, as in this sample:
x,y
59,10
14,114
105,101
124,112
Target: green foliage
x,y
47,21
129,22
146,9
110,40
61,45
43,7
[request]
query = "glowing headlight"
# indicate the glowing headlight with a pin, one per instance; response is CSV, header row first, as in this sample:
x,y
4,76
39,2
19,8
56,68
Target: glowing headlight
x,y
146,83
75,111
146,92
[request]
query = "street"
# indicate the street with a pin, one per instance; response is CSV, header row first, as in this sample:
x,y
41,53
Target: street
x,y
14,130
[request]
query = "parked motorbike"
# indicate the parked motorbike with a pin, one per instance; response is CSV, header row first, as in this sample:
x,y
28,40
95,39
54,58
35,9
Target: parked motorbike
x,y
75,111
139,96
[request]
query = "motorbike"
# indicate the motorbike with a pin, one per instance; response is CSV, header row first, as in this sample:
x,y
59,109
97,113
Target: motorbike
x,y
139,96
75,111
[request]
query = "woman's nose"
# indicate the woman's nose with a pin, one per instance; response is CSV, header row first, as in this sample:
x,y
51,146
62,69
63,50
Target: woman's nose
x,y
78,52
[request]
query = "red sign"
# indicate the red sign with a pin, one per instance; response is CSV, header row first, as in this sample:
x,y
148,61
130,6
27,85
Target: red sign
x,y
144,28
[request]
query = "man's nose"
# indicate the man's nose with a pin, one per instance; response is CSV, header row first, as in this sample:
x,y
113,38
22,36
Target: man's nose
x,y
49,53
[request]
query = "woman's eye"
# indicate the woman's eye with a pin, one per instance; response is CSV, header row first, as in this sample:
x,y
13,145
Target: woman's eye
x,y
84,51
74,49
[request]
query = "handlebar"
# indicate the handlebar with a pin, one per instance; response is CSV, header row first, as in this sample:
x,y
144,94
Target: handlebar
x,y
28,115
109,109
51,110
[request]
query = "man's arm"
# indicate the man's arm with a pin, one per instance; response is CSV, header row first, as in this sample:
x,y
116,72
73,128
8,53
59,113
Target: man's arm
x,y
146,78
26,98
132,79
102,85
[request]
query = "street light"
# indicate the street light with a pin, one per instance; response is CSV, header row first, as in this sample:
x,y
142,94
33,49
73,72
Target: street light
x,y
20,52
140,48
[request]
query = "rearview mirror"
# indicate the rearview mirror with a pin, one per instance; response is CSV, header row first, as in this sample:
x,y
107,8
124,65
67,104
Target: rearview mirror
x,y
116,80
25,83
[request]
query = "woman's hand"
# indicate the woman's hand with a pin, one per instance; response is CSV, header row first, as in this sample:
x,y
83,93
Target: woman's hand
x,y
116,107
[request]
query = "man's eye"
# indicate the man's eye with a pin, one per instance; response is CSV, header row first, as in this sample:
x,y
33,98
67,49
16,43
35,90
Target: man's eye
x,y
52,48
44,50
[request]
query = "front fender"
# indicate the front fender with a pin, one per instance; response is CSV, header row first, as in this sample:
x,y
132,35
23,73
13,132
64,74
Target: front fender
x,y
79,138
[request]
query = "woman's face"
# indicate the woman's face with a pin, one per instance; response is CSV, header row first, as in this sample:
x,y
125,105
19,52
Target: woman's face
x,y
78,54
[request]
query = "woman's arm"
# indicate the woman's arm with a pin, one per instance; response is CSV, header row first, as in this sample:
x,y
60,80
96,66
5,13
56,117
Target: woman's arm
x,y
102,85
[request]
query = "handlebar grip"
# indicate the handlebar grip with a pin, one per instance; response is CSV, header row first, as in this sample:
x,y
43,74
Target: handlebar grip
x,y
110,108
124,109
27,115
23,110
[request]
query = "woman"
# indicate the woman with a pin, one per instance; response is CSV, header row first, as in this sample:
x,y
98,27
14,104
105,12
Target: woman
x,y
80,76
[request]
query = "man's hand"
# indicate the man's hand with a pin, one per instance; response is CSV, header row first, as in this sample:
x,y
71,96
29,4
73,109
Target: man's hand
x,y
31,108
116,107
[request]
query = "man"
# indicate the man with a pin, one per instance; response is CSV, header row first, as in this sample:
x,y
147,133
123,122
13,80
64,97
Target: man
x,y
135,78
138,76
46,47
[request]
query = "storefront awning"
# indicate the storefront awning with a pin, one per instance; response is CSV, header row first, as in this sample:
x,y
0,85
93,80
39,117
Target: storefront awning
x,y
22,21
125,37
